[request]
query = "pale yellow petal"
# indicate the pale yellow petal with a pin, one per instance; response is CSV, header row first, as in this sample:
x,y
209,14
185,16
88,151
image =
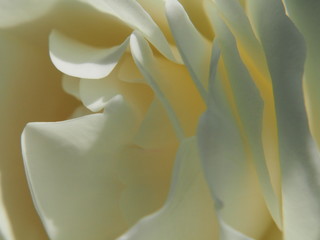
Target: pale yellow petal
x,y
30,90
188,212
97,177
13,13
300,161
131,13
195,52
80,60
305,14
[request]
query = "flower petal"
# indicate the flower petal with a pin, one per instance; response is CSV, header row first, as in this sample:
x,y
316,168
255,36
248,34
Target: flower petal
x,y
128,71
195,52
144,59
156,130
184,106
29,90
305,14
13,13
300,161
95,175
236,193
71,85
71,166
247,108
79,60
227,144
235,18
95,94
188,213
131,13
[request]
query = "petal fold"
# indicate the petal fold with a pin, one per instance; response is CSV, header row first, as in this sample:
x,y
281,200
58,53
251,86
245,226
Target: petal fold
x,y
71,169
305,15
188,212
248,107
193,47
79,60
300,162
132,13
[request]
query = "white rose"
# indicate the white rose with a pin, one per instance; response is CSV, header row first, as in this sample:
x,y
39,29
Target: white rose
x,y
196,135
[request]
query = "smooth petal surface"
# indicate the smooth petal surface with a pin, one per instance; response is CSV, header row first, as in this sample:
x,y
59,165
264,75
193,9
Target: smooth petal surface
x,y
79,60
305,14
248,110
144,59
184,106
195,51
29,90
76,20
231,149
156,129
250,50
95,94
131,13
71,85
129,72
188,212
300,162
18,12
97,177
72,174
230,177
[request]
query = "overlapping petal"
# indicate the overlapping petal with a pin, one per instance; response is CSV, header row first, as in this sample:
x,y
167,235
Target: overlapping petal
x,y
132,13
299,156
234,118
79,60
87,178
188,212
18,12
195,52
29,91
97,176
305,14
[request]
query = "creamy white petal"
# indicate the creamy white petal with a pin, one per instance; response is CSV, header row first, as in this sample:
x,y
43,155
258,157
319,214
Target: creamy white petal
x,y
237,20
131,13
193,47
71,168
30,90
95,94
305,14
196,12
250,50
249,108
128,71
156,130
230,150
300,161
97,177
188,212
231,179
6,231
13,13
184,106
156,9
273,233
228,233
144,59
71,85
79,60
